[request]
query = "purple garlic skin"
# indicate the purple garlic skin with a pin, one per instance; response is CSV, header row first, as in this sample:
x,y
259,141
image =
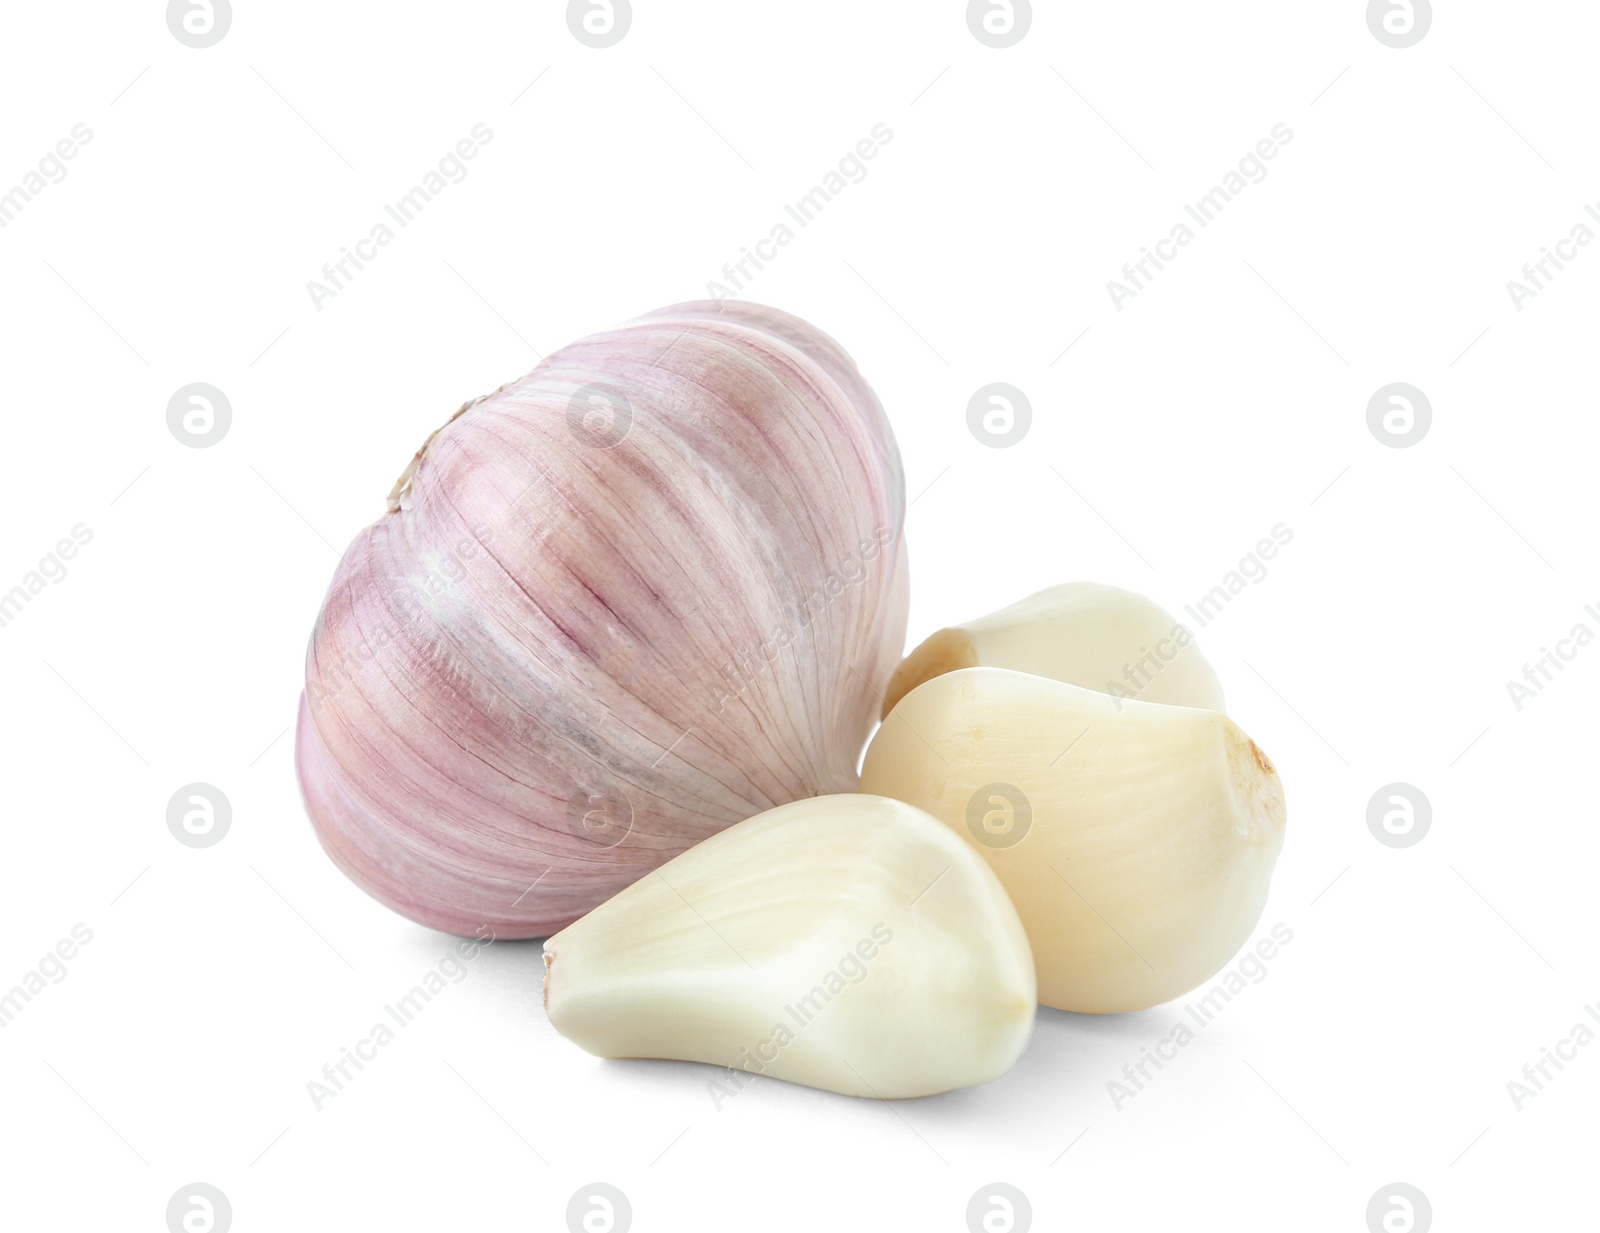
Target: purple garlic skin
x,y
598,625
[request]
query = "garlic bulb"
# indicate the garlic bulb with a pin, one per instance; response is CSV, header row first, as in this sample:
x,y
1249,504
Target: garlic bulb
x,y
849,942
1136,840
652,588
1083,633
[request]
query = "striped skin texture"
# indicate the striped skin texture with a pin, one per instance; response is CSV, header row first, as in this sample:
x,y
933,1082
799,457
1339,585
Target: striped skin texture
x,y
563,658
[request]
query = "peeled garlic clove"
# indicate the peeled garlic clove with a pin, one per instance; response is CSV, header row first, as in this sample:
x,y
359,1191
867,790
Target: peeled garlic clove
x,y
1137,841
848,942
652,588
1082,633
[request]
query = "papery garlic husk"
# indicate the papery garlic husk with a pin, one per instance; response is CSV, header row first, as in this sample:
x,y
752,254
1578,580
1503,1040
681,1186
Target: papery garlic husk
x,y
1136,840
848,942
1084,633
650,589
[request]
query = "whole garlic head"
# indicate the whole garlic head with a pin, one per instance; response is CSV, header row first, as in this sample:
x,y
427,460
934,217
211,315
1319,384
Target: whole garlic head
x,y
649,590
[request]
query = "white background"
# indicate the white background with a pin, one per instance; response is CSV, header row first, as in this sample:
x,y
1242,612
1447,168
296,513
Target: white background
x,y
1228,397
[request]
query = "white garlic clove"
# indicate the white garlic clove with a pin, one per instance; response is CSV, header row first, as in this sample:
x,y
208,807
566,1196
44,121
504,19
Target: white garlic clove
x,y
1083,633
1136,840
652,588
846,942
